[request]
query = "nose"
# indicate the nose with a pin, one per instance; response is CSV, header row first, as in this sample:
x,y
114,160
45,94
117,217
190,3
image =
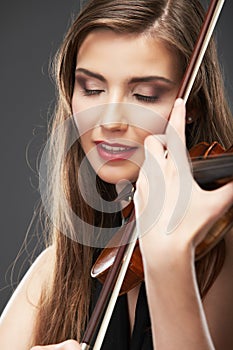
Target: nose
x,y
112,118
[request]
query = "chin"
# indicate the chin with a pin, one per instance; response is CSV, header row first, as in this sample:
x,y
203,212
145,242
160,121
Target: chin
x,y
114,175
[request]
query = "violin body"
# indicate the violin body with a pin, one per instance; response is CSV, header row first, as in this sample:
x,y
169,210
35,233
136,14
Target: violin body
x,y
134,274
212,167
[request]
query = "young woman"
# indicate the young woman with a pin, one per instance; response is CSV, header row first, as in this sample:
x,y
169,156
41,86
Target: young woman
x,y
118,73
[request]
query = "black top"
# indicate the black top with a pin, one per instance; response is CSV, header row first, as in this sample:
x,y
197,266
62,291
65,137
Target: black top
x,y
118,333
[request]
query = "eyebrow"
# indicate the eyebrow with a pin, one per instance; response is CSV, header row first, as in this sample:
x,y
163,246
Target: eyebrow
x,y
134,80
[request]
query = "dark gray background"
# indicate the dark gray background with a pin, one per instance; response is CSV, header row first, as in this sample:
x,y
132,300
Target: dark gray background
x,y
30,32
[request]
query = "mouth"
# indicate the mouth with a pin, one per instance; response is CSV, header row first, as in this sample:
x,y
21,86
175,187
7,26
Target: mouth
x,y
114,151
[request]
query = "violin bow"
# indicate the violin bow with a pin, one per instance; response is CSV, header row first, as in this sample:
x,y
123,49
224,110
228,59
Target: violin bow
x,y
111,288
202,43
125,252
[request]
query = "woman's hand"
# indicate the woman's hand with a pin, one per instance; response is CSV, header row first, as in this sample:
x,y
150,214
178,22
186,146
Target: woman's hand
x,y
170,233
66,345
188,212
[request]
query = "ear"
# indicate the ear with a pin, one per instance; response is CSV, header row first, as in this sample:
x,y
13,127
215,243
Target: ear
x,y
189,119
191,115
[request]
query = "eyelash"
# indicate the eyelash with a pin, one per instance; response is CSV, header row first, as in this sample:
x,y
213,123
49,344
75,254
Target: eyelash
x,y
143,98
150,99
88,92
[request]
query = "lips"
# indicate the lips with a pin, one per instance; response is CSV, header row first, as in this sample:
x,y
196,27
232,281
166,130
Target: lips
x,y
114,151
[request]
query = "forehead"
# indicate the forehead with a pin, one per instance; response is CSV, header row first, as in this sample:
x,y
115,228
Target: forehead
x,y
118,55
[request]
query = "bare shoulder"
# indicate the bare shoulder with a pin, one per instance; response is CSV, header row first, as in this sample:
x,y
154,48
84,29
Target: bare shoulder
x,y
218,303
18,318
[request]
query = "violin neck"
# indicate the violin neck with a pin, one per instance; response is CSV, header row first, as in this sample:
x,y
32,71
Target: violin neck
x,y
213,172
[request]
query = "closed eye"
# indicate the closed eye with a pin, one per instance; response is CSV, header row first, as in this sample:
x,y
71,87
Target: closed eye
x,y
90,92
145,98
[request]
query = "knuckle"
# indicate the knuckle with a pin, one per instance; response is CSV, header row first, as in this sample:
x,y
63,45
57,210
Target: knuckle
x,y
70,344
150,140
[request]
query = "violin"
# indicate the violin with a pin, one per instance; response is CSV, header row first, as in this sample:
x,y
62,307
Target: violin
x,y
212,167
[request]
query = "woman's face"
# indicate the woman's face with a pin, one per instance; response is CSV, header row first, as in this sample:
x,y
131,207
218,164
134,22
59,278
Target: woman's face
x,y
124,90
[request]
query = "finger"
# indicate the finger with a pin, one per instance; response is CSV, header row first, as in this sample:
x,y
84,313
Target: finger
x,y
66,345
162,139
175,133
176,123
46,347
155,144
38,347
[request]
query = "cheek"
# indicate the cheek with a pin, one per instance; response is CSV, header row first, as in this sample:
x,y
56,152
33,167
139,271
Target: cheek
x,y
142,131
81,114
86,142
145,120
86,119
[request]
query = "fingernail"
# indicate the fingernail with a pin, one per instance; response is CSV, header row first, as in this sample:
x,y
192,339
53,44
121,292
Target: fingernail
x,y
178,102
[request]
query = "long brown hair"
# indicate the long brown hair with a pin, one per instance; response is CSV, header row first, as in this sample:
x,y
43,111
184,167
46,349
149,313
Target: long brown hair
x,y
64,309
